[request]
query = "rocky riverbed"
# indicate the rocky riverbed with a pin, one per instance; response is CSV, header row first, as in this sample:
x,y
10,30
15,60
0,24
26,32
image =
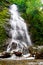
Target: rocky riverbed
x,y
34,53
37,51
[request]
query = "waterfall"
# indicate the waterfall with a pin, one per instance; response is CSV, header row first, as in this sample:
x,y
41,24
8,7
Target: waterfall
x,y
20,39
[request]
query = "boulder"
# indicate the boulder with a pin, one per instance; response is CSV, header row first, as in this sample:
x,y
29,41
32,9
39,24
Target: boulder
x,y
5,55
17,53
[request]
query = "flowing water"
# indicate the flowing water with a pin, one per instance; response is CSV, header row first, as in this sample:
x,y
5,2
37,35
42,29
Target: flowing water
x,y
20,39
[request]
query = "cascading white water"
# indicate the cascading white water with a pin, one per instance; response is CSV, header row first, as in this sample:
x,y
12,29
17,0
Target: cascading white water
x,y
20,37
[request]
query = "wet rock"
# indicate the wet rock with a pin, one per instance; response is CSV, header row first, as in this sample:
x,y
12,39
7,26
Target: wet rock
x,y
17,53
5,55
14,45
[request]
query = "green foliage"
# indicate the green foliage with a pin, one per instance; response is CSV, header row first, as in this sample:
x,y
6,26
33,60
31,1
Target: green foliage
x,y
36,28
35,18
3,17
30,11
20,3
3,35
32,5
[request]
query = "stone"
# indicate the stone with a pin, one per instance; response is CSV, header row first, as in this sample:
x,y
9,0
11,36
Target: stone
x,y
17,53
5,55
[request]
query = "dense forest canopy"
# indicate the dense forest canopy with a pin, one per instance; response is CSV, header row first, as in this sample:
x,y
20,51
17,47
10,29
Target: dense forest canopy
x,y
31,11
